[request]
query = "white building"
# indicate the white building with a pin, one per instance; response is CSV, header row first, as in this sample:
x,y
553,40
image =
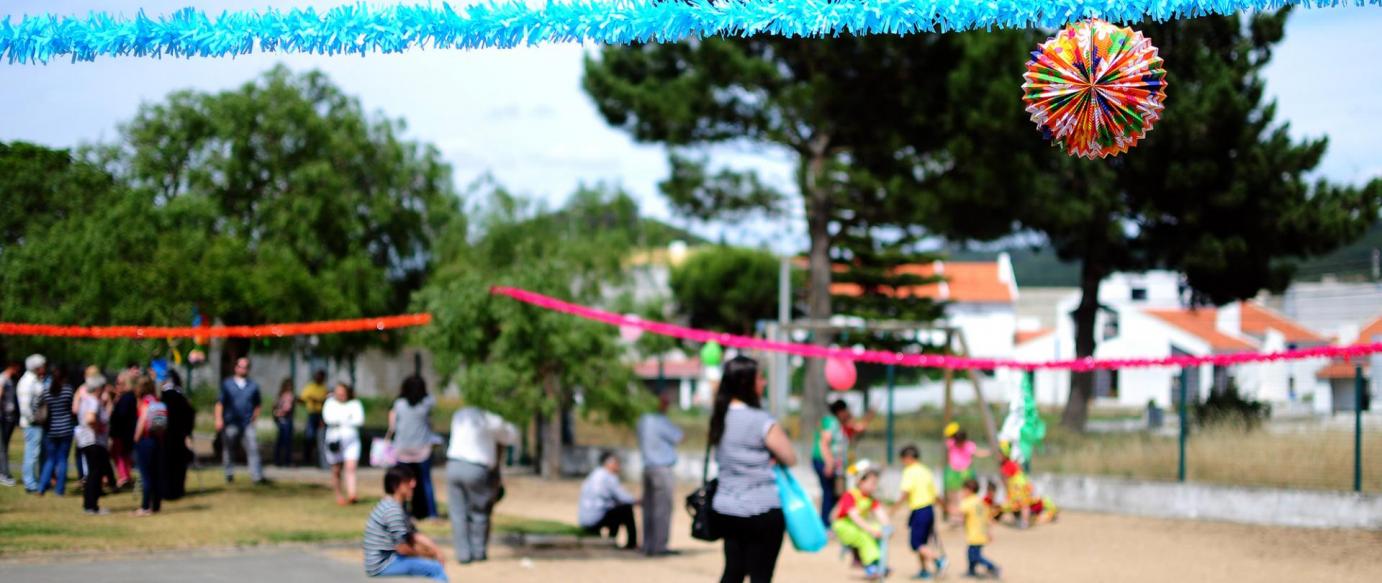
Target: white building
x,y
1340,376
1140,316
1329,306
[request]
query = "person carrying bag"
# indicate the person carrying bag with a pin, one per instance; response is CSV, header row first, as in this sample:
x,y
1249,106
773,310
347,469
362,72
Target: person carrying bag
x,y
804,525
746,508
698,505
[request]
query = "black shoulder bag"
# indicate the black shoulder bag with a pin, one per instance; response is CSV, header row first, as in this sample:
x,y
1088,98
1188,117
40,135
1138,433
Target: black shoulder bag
x,y
698,505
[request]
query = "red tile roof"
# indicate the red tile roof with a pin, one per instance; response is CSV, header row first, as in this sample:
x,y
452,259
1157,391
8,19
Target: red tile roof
x,y
672,369
1340,369
1373,328
1255,319
964,282
1200,322
1024,336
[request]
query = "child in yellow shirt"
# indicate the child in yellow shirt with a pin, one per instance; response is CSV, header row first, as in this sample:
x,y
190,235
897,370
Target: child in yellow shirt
x,y
859,523
976,517
918,489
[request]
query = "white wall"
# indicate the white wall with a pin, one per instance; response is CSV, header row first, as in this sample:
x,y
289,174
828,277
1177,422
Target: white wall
x,y
1139,336
1327,306
376,372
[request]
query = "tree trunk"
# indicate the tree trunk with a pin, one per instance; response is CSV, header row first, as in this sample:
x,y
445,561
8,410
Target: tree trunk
x,y
550,438
818,290
1076,411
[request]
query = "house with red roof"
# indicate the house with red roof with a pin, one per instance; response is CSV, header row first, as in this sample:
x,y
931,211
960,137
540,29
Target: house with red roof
x,y
980,299
1143,315
1341,376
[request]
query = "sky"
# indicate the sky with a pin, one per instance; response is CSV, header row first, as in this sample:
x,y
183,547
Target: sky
x,y
520,115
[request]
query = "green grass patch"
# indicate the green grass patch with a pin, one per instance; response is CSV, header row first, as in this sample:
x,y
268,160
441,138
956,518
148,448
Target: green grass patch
x,y
310,536
516,525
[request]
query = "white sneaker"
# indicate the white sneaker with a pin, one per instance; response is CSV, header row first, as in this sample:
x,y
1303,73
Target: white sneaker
x,y
7,481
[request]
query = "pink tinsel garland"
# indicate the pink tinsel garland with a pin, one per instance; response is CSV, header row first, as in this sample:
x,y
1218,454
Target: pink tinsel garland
x,y
924,360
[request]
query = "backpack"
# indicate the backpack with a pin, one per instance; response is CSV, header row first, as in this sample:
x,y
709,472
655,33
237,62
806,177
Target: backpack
x,y
157,423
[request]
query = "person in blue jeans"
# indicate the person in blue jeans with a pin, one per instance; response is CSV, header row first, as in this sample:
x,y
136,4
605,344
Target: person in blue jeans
x,y
28,391
828,455
393,546
57,434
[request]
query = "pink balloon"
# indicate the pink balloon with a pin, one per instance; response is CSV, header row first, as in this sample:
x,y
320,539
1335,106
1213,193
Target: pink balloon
x,y
840,374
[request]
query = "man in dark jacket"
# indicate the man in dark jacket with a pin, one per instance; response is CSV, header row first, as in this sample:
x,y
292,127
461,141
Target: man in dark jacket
x,y
178,438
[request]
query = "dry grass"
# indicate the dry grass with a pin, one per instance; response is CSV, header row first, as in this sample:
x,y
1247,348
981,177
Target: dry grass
x,y
214,514
1318,460
1312,457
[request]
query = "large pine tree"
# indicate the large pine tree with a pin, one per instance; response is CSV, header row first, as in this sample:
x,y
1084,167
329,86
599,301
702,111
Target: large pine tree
x,y
1218,190
820,100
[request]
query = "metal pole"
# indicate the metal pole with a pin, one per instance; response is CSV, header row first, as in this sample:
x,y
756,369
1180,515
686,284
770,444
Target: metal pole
x,y
891,385
661,375
949,380
1358,427
781,363
293,365
1184,421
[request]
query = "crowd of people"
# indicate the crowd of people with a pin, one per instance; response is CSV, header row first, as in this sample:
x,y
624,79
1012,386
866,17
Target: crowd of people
x,y
747,506
140,422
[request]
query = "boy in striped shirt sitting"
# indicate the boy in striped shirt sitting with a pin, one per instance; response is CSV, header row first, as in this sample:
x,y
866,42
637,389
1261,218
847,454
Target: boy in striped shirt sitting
x,y
393,546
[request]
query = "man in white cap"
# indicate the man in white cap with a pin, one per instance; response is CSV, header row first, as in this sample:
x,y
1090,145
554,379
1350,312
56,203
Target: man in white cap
x,y
29,389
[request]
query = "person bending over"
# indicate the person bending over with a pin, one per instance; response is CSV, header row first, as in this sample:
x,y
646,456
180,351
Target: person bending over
x,y
393,546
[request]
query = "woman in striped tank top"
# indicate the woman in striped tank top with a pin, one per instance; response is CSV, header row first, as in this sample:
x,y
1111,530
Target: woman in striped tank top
x,y
57,433
748,441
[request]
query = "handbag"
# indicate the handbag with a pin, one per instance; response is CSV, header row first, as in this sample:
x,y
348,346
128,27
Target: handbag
x,y
698,505
381,453
40,409
804,524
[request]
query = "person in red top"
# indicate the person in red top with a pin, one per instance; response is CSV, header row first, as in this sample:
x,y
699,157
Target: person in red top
x,y
861,523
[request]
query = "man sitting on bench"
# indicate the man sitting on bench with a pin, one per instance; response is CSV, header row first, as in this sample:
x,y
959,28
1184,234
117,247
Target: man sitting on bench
x,y
605,504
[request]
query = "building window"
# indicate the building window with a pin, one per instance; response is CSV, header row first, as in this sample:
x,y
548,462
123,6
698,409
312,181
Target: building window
x,y
1221,380
1106,384
1110,325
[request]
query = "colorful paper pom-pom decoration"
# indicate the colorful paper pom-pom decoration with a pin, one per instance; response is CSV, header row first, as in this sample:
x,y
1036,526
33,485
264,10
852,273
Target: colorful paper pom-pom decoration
x,y
1095,89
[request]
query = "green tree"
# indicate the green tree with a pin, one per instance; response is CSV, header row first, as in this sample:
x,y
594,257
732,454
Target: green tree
x,y
1218,190
278,201
726,288
63,258
287,202
820,101
881,270
40,186
521,361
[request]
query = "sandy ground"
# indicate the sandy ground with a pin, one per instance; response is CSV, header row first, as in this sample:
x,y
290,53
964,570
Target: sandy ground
x,y
1079,547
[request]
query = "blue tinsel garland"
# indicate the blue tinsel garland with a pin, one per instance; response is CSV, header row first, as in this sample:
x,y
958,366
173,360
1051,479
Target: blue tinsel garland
x,y
361,29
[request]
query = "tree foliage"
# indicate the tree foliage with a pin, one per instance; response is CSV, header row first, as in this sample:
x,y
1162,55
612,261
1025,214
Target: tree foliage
x,y
519,360
278,201
728,289
1218,191
821,101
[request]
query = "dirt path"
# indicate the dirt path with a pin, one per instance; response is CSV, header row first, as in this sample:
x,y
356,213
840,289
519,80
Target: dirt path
x,y
1080,547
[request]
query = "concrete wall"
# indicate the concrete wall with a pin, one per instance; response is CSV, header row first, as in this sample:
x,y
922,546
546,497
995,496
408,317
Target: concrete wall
x,y
377,373
1269,506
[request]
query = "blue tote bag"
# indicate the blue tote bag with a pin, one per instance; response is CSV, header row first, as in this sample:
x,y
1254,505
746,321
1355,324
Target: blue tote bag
x,y
803,521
